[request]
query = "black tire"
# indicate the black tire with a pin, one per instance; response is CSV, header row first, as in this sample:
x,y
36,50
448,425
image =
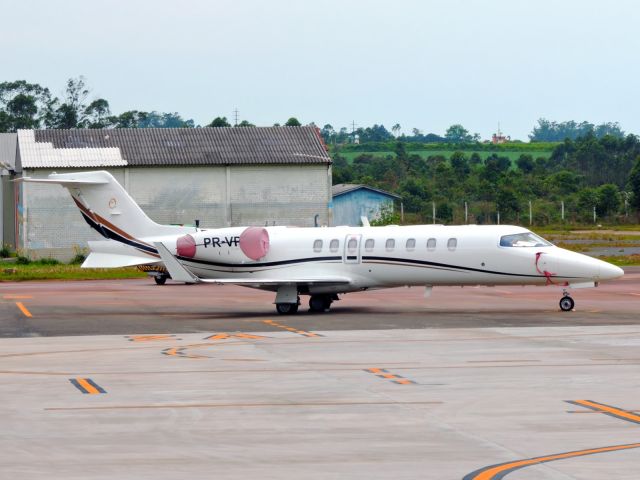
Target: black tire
x,y
160,279
567,304
319,303
287,308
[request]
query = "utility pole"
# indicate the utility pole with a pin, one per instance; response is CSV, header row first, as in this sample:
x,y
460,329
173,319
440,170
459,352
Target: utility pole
x,y
594,214
466,213
498,217
235,117
562,209
433,208
530,213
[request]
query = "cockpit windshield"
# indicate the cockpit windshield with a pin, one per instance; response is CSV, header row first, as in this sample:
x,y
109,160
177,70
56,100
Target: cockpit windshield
x,y
526,239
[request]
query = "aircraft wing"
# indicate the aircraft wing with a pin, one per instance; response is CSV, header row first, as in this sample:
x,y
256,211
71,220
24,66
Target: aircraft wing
x,y
180,274
269,281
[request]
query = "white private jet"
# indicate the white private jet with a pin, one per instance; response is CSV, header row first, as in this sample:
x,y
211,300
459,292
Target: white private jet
x,y
321,262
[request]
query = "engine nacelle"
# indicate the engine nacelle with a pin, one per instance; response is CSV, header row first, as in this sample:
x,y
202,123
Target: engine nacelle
x,y
232,245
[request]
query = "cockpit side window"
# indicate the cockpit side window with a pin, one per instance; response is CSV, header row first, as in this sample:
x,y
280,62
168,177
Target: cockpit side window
x,y
526,239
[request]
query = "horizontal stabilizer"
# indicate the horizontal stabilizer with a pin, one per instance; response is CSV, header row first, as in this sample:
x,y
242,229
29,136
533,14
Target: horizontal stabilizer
x,y
110,254
62,181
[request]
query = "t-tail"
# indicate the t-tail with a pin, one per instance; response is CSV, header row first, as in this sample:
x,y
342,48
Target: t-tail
x,y
109,209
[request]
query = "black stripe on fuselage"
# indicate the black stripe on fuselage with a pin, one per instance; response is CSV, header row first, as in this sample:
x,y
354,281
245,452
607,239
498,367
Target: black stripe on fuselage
x,y
365,259
425,263
253,266
108,233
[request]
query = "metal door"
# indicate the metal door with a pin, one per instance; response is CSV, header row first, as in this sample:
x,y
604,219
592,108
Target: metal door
x,y
352,249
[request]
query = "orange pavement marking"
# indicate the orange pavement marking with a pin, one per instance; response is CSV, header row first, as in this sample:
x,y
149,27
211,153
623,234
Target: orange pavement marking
x,y
87,386
23,309
148,338
623,414
499,471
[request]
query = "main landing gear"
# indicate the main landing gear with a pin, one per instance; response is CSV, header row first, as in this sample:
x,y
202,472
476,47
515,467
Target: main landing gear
x,y
320,303
161,278
566,302
287,308
317,304
288,301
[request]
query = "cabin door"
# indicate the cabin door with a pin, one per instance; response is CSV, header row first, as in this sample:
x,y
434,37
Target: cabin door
x,y
352,249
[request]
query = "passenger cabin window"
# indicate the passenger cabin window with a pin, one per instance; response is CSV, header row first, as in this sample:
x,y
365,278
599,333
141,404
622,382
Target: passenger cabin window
x,y
352,246
369,244
431,244
317,246
411,244
334,245
452,243
390,244
526,239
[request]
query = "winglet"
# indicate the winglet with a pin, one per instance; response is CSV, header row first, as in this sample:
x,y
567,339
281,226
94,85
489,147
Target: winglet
x,y
175,268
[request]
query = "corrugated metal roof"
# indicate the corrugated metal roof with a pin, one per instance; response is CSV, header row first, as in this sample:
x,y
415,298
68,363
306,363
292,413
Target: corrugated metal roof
x,y
35,154
172,146
342,188
8,150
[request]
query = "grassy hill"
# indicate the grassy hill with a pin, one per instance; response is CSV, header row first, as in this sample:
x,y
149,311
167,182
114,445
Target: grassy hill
x,y
510,150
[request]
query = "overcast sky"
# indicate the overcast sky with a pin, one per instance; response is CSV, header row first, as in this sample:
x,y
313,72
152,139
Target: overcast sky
x,y
424,64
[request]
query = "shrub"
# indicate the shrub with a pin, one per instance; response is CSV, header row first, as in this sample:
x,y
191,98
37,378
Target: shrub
x,y
47,261
80,255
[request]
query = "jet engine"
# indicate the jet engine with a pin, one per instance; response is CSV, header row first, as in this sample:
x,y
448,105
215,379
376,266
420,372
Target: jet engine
x,y
227,245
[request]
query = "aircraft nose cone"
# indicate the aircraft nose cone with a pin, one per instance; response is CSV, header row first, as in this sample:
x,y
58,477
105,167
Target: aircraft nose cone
x,y
609,272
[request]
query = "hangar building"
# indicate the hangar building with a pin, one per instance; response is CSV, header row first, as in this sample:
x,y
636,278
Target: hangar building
x,y
352,201
219,176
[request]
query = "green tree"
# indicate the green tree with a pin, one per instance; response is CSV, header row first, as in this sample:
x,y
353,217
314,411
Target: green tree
x,y
245,123
460,164
97,114
634,184
525,163
293,122
608,200
458,134
24,105
219,122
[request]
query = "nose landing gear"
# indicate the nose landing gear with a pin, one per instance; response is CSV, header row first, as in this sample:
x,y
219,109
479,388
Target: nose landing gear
x,y
566,302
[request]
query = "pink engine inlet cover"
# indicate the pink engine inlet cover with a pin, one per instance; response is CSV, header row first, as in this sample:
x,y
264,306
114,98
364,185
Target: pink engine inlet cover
x,y
254,242
186,246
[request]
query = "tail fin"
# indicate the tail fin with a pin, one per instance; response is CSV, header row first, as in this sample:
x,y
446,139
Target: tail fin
x,y
108,208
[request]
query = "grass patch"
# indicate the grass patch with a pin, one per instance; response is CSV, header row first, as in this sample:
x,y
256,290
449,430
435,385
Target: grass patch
x,y
622,261
513,156
38,271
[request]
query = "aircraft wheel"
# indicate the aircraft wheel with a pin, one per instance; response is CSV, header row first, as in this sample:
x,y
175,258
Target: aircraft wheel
x,y
160,279
567,303
286,308
319,303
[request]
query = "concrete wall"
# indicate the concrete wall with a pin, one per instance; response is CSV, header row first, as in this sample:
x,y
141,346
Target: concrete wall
x,y
51,225
7,214
349,207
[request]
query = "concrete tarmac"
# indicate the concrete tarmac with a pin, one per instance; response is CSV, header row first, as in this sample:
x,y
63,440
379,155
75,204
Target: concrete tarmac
x,y
125,379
